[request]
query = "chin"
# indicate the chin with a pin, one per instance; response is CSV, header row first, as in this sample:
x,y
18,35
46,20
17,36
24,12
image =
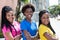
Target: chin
x,y
11,21
46,24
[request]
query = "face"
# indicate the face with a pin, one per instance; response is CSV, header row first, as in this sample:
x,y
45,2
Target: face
x,y
28,13
45,18
10,16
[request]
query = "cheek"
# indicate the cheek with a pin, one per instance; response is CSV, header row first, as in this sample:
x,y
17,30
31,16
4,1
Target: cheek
x,y
7,17
43,21
27,15
10,19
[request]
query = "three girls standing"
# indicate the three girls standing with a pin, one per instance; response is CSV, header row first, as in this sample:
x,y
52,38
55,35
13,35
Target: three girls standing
x,y
11,29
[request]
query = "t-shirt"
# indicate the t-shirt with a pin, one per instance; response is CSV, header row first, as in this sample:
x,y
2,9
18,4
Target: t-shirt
x,y
14,33
29,26
42,29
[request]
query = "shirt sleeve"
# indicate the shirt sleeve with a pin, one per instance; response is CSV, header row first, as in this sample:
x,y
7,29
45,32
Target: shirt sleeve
x,y
42,30
23,26
4,30
17,27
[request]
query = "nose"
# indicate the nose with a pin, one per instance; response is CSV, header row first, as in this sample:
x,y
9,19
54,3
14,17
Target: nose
x,y
46,19
31,13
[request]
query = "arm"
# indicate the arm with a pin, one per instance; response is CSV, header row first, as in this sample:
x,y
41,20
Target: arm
x,y
49,37
18,37
27,35
10,37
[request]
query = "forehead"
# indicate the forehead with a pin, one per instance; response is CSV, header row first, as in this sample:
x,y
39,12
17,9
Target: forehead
x,y
45,15
29,9
10,12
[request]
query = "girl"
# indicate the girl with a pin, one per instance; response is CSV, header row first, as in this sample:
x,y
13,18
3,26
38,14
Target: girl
x,y
46,32
29,28
10,28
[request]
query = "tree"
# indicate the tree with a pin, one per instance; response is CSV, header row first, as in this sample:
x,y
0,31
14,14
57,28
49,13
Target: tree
x,y
18,8
54,10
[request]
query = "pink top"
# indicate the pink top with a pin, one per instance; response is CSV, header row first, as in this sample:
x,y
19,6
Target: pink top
x,y
14,33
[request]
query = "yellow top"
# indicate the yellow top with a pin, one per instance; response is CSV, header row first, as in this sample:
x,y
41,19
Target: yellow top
x,y
42,29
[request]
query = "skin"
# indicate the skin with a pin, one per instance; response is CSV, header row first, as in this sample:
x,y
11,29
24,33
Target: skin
x,y
45,21
10,18
28,14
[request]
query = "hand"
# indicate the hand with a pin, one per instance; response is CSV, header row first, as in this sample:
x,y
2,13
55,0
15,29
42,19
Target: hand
x,y
18,37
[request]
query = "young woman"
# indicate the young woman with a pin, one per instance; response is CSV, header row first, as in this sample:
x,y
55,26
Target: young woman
x,y
10,28
29,28
46,32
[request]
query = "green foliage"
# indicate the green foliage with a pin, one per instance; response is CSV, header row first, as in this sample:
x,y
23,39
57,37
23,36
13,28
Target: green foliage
x,y
54,10
1,35
18,9
21,17
25,1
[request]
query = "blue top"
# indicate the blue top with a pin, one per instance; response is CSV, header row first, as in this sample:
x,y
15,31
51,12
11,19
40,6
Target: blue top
x,y
30,27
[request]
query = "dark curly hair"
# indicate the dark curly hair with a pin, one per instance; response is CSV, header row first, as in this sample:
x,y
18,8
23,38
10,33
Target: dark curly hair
x,y
27,6
40,15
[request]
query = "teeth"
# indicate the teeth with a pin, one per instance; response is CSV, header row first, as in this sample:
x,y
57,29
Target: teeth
x,y
29,15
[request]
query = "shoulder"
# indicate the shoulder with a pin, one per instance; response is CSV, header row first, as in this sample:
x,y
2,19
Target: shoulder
x,y
42,27
33,22
15,22
23,24
23,21
5,29
16,25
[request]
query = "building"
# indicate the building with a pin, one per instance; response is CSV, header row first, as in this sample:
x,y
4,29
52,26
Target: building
x,y
11,3
59,2
39,5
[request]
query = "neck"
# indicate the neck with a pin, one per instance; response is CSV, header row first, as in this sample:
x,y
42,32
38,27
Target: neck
x,y
45,25
28,20
12,23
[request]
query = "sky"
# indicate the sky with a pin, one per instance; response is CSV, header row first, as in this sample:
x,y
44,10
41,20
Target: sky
x,y
53,2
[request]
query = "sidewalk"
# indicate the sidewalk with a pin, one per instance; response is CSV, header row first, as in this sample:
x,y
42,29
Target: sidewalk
x,y
2,38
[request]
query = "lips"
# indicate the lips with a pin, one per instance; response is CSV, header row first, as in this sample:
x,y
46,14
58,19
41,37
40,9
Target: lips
x,y
30,15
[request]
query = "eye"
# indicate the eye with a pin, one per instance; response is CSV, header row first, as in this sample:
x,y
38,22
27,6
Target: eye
x,y
12,15
43,18
8,15
47,17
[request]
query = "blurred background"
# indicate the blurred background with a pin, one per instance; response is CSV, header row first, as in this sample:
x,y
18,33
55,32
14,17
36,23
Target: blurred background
x,y
53,6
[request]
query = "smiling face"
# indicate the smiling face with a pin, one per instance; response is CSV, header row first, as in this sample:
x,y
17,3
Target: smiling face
x,y
45,19
28,13
10,16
